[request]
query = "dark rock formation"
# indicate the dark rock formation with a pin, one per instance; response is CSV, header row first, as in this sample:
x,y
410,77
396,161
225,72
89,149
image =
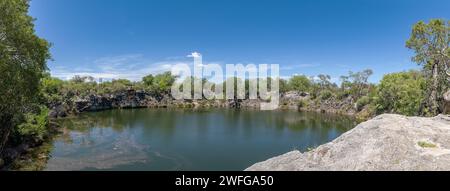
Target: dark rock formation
x,y
138,98
125,99
58,111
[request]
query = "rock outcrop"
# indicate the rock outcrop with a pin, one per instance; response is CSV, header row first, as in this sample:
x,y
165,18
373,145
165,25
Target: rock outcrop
x,y
75,103
387,142
447,102
292,99
139,99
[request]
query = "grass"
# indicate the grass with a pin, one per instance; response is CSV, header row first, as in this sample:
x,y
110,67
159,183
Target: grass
x,y
424,144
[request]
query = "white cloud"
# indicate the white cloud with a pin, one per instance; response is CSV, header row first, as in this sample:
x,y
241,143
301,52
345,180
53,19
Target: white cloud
x,y
194,55
136,66
132,67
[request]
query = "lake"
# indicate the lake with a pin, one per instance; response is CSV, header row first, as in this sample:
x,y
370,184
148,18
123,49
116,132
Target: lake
x,y
166,139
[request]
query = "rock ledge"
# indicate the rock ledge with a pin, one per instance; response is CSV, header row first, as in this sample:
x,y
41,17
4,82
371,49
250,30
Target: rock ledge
x,y
386,142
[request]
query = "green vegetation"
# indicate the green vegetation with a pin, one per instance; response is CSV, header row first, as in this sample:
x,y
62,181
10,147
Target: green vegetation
x,y
35,125
430,43
405,93
23,57
160,83
401,92
27,90
299,83
425,144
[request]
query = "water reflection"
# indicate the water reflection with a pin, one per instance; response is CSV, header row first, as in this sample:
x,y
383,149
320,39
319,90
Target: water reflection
x,y
163,139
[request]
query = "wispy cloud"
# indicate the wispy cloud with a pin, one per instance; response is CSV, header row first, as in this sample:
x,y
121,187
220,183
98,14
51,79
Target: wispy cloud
x,y
132,67
136,66
299,66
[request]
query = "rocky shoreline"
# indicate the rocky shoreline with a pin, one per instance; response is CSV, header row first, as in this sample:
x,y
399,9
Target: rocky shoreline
x,y
386,142
141,99
290,100
29,150
74,104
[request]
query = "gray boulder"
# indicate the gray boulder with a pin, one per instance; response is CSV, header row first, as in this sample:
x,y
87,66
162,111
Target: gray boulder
x,y
447,102
387,142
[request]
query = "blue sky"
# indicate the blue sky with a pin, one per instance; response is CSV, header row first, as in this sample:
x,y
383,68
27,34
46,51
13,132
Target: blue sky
x,y
131,38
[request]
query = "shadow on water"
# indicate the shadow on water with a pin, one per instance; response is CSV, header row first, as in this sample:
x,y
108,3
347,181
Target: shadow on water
x,y
166,139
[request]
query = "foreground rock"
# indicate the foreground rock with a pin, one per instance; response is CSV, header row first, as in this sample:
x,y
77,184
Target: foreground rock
x,y
447,102
387,142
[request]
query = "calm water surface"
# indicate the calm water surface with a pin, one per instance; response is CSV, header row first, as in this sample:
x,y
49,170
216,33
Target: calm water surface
x,y
163,139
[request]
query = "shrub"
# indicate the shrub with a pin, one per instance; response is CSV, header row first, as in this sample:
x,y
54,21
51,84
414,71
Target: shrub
x,y
35,125
401,93
363,101
300,83
326,94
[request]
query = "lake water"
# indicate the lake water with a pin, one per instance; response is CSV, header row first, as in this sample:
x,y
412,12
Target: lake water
x,y
164,139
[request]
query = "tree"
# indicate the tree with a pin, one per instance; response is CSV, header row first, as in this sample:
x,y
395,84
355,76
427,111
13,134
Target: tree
x,y
401,93
430,43
23,57
324,81
356,83
148,80
51,85
82,79
360,81
300,83
284,87
163,82
51,89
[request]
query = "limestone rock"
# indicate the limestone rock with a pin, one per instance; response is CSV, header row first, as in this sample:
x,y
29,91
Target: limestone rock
x,y
447,102
294,95
387,142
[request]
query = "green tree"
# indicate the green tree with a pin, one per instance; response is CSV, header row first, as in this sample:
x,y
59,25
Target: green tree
x,y
51,85
163,82
82,79
300,83
284,86
148,80
324,81
356,83
51,89
401,93
23,57
430,43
